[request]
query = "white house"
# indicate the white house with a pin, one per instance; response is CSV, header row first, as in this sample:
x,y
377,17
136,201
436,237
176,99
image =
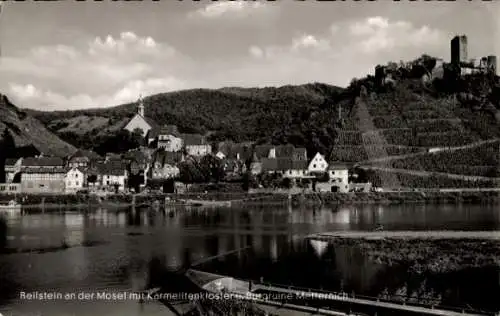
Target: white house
x,y
339,177
169,139
317,164
196,145
74,180
165,165
112,175
220,155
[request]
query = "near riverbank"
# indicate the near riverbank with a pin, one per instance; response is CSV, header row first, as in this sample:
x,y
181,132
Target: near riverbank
x,y
49,201
417,264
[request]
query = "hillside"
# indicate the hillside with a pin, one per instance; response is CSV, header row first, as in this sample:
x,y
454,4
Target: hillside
x,y
405,115
27,130
301,115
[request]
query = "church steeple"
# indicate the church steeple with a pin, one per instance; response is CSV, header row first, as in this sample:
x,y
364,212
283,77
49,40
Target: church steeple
x,y
140,108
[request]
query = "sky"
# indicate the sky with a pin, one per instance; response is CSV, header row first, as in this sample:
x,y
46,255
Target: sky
x,y
70,55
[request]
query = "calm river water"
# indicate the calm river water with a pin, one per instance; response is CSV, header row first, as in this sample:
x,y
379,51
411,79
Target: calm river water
x,y
120,247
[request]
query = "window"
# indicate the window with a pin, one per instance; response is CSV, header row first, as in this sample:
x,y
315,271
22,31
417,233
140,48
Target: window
x,y
314,166
76,183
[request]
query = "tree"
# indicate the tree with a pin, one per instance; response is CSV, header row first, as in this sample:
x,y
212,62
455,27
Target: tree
x,y
189,172
92,178
2,162
211,168
9,145
249,181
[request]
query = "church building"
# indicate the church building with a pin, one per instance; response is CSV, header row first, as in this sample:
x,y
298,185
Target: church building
x,y
140,121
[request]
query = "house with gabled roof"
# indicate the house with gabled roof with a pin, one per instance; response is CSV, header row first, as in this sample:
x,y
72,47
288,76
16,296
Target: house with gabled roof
x,y
138,163
112,175
234,151
280,151
169,138
318,164
82,158
196,145
42,175
165,164
338,174
140,121
75,179
287,167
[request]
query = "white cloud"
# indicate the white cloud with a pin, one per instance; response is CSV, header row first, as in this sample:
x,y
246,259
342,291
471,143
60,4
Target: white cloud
x,y
310,41
50,100
65,76
111,70
256,52
377,34
232,9
346,50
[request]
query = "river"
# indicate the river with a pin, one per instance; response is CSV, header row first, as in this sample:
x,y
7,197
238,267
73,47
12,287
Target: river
x,y
119,247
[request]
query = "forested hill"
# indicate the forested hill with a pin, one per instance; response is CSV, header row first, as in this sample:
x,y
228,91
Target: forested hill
x,y
301,115
412,108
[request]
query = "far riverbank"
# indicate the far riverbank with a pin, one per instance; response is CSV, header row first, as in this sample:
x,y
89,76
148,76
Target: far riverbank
x,y
218,199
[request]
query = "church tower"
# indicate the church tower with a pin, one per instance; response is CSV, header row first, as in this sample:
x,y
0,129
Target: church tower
x,y
140,108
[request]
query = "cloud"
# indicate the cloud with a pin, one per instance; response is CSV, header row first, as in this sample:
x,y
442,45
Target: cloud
x,y
376,34
231,9
111,70
50,100
348,49
65,77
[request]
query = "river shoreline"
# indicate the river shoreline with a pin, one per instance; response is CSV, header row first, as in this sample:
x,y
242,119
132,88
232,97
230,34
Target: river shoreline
x,y
217,199
426,260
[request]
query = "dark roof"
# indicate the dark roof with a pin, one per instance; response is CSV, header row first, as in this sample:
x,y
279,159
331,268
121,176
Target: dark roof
x,y
77,168
152,123
167,157
11,161
262,151
284,151
300,154
83,153
231,150
136,155
337,166
43,169
193,139
169,130
43,162
153,133
114,168
281,151
283,164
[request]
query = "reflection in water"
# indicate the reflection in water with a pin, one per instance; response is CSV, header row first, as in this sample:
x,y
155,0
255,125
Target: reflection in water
x,y
319,246
132,240
3,233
